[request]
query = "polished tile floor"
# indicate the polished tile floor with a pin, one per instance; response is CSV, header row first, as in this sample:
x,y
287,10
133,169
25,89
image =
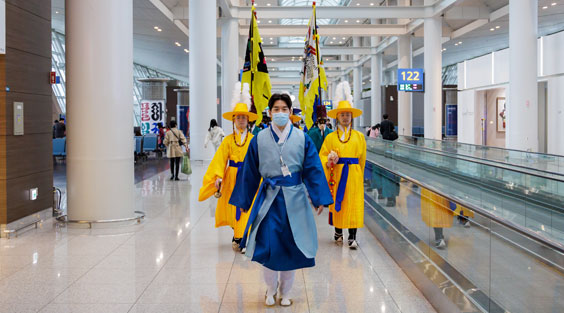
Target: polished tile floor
x,y
176,261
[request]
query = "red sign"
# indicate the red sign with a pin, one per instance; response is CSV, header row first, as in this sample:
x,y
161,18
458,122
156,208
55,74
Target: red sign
x,y
53,77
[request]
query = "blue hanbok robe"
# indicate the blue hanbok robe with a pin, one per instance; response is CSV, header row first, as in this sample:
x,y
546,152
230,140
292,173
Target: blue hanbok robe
x,y
283,234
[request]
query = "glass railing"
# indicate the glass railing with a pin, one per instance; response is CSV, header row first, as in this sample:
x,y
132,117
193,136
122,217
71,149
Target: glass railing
x,y
533,202
547,164
496,248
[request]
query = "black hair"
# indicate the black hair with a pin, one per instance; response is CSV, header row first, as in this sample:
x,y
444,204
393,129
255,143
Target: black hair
x,y
160,125
377,126
62,119
56,121
213,123
385,116
280,96
172,124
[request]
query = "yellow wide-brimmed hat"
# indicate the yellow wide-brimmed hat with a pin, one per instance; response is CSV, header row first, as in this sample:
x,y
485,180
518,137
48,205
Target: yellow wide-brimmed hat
x,y
344,106
343,97
240,109
241,103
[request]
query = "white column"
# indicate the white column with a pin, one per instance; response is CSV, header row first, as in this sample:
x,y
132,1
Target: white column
x,y
357,82
404,98
433,76
375,84
99,39
229,66
405,115
202,75
522,107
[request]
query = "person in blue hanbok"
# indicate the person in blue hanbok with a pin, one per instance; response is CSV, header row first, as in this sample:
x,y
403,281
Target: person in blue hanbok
x,y
281,232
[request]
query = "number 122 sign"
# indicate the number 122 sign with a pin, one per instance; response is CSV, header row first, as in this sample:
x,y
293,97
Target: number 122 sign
x,y
410,79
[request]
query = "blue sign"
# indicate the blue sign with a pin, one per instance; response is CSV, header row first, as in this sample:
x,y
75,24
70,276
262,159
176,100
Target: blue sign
x,y
328,104
451,120
410,79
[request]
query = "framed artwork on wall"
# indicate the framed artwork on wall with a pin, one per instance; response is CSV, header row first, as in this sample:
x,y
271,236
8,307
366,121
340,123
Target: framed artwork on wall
x,y
501,114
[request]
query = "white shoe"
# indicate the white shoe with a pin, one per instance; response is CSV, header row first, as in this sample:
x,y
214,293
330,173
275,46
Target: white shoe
x,y
269,301
441,244
353,244
285,301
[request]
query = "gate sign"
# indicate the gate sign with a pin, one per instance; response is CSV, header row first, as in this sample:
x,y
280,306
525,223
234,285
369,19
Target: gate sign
x,y
152,113
328,104
410,79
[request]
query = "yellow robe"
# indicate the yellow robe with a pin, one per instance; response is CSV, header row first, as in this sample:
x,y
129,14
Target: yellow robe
x,y
352,207
219,168
436,210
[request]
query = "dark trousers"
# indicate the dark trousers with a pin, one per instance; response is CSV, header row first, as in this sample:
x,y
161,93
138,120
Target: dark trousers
x,y
438,233
174,170
352,232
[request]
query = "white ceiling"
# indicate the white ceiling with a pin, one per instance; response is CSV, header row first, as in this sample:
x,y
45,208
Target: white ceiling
x,y
158,49
150,47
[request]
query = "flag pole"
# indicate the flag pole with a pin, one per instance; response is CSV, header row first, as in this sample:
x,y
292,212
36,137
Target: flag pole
x,y
317,54
253,15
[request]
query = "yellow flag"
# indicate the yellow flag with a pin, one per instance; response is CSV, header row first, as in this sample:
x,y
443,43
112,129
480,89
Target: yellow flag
x,y
255,71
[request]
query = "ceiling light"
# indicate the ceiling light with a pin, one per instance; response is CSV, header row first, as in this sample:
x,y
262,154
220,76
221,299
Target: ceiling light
x,y
268,4
545,7
346,21
492,29
344,38
177,43
553,4
271,43
159,30
57,12
273,60
331,42
186,50
497,27
258,21
456,44
334,38
270,21
460,42
156,27
357,4
270,38
358,21
372,3
340,42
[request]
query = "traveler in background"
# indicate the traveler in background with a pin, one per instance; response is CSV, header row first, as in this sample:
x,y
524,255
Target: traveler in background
x,y
162,134
374,131
54,128
215,135
60,129
174,140
387,129
329,125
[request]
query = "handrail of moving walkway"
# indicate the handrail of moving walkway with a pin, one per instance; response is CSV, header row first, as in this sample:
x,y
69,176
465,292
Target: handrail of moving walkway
x,y
460,156
521,230
493,148
455,156
492,160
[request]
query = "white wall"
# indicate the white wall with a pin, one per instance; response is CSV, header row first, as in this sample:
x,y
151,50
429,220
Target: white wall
x,y
555,115
492,71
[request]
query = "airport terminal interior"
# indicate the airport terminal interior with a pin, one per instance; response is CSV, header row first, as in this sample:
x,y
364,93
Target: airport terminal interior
x,y
282,156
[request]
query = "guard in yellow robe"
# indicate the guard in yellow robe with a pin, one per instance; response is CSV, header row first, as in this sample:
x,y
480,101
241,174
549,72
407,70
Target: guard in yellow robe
x,y
343,156
221,175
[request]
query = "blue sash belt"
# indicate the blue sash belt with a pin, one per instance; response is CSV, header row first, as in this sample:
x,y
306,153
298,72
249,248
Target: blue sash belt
x,y
343,181
237,165
282,181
